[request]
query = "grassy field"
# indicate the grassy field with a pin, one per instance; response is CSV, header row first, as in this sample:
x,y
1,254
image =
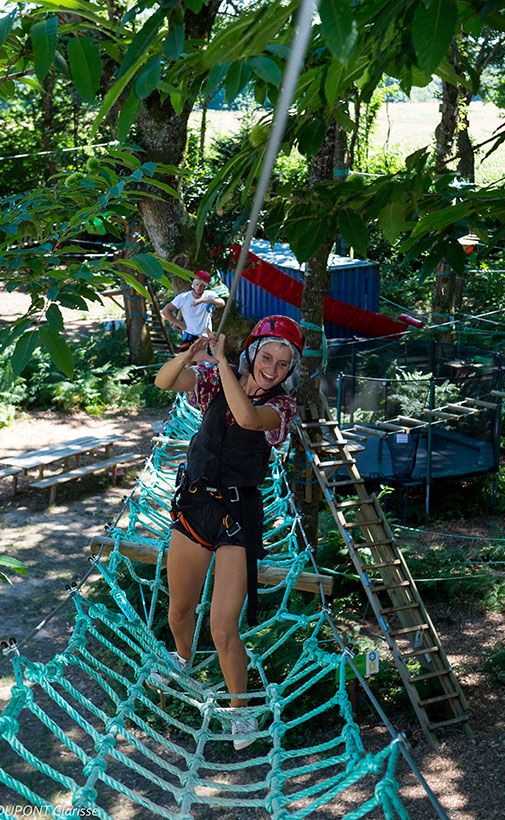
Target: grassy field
x,y
400,128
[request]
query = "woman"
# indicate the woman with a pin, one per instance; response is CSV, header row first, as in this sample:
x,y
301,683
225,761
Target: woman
x,y
218,506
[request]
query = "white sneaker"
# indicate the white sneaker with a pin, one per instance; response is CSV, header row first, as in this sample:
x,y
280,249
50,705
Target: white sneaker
x,y
243,726
158,681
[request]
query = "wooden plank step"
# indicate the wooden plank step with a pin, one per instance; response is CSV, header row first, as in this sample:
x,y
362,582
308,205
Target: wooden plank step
x,y
429,650
438,699
378,543
356,524
345,483
426,675
354,503
148,554
381,564
500,394
392,609
406,629
461,719
385,587
340,463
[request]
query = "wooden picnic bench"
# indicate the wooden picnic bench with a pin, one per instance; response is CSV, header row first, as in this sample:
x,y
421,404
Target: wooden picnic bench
x,y
65,452
54,481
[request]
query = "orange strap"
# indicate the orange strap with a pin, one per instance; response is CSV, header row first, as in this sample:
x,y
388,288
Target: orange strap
x,y
187,526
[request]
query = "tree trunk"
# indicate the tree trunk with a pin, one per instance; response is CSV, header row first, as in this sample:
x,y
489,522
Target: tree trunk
x,y
446,129
466,164
307,494
137,330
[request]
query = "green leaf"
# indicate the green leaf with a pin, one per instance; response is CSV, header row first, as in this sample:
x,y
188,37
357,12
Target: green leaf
x,y
306,236
149,78
177,101
174,44
115,92
237,78
338,27
343,119
44,36
6,24
354,230
127,115
85,66
7,89
311,136
194,5
432,31
22,353
13,563
58,349
268,70
130,279
392,220
141,42
438,220
54,317
149,264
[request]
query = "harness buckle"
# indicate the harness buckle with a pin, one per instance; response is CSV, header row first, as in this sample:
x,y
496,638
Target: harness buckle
x,y
234,494
232,527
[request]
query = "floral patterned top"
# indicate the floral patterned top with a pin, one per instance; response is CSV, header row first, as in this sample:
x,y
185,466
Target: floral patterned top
x,y
208,384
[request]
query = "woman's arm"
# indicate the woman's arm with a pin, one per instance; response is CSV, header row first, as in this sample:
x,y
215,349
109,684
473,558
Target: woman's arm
x,y
243,410
175,374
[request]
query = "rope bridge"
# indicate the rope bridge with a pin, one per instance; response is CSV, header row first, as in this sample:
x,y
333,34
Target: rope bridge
x,y
108,747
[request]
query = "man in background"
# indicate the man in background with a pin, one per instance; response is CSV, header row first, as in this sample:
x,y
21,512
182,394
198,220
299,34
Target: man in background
x,y
196,307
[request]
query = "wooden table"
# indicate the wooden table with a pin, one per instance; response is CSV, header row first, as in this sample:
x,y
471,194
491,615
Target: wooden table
x,y
64,451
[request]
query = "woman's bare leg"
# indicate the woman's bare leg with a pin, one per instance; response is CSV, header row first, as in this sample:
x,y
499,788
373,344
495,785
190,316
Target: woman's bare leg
x,y
187,566
230,589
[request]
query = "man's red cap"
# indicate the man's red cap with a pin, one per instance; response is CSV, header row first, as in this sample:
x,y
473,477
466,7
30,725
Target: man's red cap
x,y
204,275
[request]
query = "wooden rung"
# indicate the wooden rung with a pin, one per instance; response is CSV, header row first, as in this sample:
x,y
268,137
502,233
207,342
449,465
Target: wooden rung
x,y
429,650
385,587
148,554
500,394
407,629
390,425
370,431
367,545
461,409
357,503
347,463
345,483
353,436
440,414
356,524
391,609
490,405
305,425
449,722
382,564
427,675
438,699
407,420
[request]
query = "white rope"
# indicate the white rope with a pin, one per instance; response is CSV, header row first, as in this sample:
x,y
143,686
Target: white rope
x,y
291,74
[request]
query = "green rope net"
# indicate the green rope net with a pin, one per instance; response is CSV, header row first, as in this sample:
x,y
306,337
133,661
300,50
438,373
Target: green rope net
x,y
109,750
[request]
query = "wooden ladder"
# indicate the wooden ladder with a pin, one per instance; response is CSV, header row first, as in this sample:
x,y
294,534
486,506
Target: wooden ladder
x,y
389,586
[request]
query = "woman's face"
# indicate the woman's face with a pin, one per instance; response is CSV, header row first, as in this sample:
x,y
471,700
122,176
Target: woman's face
x,y
272,364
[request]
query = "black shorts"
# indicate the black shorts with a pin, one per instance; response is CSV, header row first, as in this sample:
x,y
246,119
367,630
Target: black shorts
x,y
208,522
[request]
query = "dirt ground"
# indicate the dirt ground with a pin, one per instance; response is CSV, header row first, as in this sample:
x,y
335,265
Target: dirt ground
x,y
467,775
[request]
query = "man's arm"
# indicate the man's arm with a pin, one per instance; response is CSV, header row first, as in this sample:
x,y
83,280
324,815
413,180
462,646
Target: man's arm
x,y
210,298
169,313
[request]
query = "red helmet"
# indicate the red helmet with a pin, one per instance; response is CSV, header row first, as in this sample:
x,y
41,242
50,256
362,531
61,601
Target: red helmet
x,y
204,275
280,326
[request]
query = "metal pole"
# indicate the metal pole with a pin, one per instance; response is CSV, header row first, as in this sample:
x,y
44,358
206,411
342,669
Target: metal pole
x,y
429,446
290,80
